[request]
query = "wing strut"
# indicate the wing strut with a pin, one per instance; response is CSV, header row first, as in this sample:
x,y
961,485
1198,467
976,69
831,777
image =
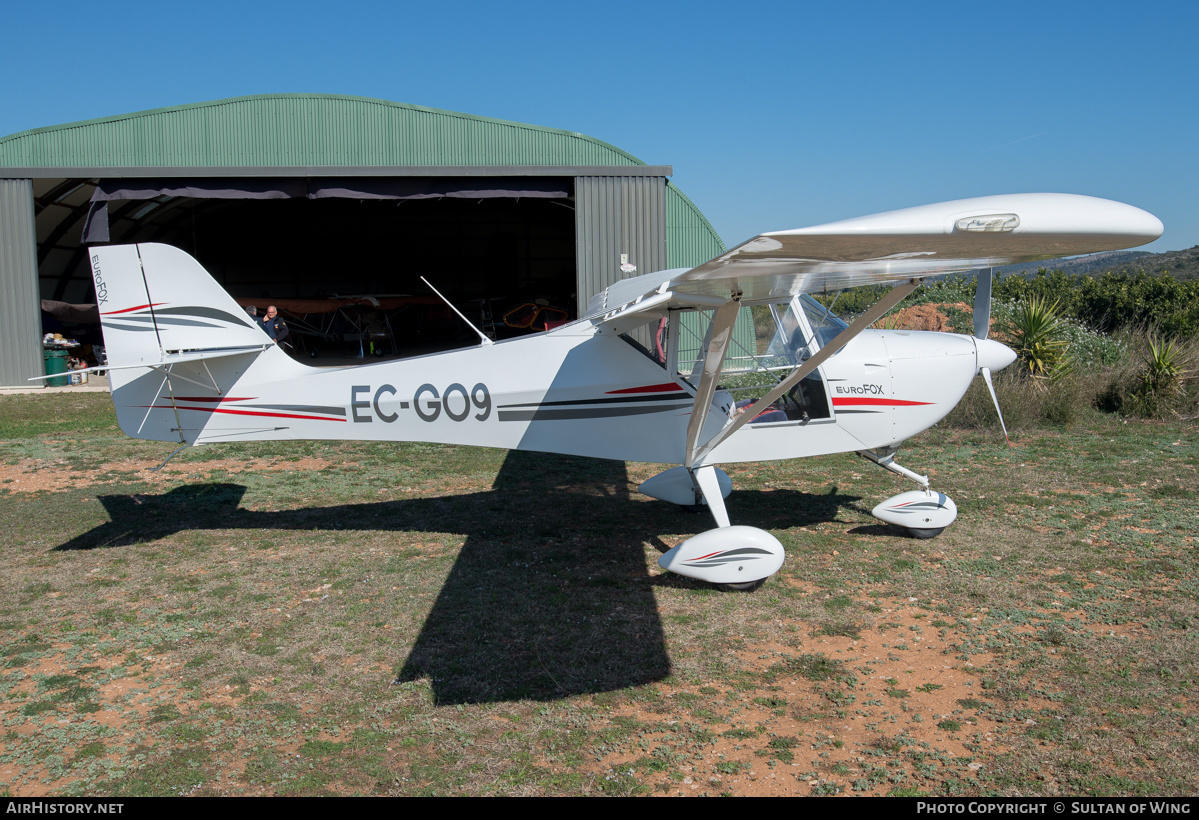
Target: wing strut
x,y
720,334
843,338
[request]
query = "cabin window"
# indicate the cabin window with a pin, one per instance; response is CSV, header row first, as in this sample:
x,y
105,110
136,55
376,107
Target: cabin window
x,y
651,341
768,342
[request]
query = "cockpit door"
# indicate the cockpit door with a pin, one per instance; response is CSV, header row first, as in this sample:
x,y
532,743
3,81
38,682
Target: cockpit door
x,y
798,340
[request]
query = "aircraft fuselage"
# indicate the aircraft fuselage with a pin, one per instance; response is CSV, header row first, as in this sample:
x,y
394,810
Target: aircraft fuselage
x,y
573,390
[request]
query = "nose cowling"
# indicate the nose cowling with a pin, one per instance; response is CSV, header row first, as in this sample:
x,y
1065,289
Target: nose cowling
x,y
993,355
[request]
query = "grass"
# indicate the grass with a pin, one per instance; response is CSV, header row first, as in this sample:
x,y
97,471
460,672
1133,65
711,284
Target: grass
x,y
416,619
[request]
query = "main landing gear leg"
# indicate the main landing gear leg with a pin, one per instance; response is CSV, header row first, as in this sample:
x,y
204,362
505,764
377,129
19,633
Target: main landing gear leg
x,y
705,478
739,558
923,513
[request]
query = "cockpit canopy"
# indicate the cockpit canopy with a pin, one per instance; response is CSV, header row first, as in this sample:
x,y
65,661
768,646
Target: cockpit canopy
x,y
769,341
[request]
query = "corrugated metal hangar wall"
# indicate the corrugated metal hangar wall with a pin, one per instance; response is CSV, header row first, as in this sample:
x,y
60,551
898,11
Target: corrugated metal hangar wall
x,y
545,211
20,316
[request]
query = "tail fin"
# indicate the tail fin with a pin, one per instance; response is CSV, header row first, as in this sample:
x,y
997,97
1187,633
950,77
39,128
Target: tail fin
x,y
156,299
168,325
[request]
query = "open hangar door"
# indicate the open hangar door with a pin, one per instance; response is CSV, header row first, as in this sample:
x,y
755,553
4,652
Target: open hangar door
x,y
487,254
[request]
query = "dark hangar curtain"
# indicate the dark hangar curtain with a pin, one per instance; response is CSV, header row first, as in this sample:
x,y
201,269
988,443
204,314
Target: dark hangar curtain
x,y
96,229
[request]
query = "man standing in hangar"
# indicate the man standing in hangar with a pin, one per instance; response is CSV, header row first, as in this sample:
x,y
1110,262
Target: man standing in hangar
x,y
275,327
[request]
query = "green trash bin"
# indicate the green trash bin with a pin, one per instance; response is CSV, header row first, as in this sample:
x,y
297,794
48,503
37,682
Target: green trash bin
x,y
56,362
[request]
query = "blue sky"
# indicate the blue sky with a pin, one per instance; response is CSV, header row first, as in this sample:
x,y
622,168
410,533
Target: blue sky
x,y
774,115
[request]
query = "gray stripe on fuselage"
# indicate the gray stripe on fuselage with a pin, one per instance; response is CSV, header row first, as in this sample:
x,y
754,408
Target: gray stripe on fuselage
x,y
559,414
676,397
297,408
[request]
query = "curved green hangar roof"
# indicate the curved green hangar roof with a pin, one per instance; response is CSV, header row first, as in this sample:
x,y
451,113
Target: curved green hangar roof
x,y
302,130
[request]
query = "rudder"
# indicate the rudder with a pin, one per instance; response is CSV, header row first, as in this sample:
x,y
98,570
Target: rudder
x,y
167,323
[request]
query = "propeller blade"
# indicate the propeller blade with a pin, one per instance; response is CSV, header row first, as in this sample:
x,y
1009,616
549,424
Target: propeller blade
x,y
982,308
986,374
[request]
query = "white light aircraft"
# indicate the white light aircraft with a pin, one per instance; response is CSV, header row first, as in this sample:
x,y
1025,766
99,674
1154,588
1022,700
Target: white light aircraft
x,y
654,371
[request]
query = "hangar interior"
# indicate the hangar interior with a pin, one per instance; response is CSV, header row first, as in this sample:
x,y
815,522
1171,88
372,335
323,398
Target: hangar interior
x,y
302,248
496,214
487,256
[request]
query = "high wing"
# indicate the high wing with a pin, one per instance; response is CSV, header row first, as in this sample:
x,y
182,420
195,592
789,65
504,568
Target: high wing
x,y
901,247
929,240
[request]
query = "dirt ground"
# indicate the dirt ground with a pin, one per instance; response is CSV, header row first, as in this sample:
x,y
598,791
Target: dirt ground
x,y
891,701
806,733
908,698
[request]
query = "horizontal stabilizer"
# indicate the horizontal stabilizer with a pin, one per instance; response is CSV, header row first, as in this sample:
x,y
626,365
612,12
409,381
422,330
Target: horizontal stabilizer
x,y
189,356
168,359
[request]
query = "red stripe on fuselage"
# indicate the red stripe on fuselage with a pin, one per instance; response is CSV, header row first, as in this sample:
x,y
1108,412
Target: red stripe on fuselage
x,y
257,413
242,412
669,387
877,402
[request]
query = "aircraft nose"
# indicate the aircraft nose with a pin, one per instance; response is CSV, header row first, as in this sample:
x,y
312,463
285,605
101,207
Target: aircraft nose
x,y
993,355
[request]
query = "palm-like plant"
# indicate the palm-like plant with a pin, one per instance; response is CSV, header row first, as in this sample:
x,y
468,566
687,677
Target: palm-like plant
x,y
1164,368
1038,335
888,322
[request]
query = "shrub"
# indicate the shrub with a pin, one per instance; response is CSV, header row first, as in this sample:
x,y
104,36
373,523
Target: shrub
x,y
1025,405
1038,335
1153,380
1106,303
1114,300
1164,371
1158,387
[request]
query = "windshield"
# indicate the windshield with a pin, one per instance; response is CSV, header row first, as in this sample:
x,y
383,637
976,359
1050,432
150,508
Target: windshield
x,y
789,343
825,324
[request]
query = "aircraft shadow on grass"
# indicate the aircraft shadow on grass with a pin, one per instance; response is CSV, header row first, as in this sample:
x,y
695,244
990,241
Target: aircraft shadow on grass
x,y
550,595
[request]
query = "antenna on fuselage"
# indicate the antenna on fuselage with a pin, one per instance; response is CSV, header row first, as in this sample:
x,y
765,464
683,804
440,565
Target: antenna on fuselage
x,y
486,340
